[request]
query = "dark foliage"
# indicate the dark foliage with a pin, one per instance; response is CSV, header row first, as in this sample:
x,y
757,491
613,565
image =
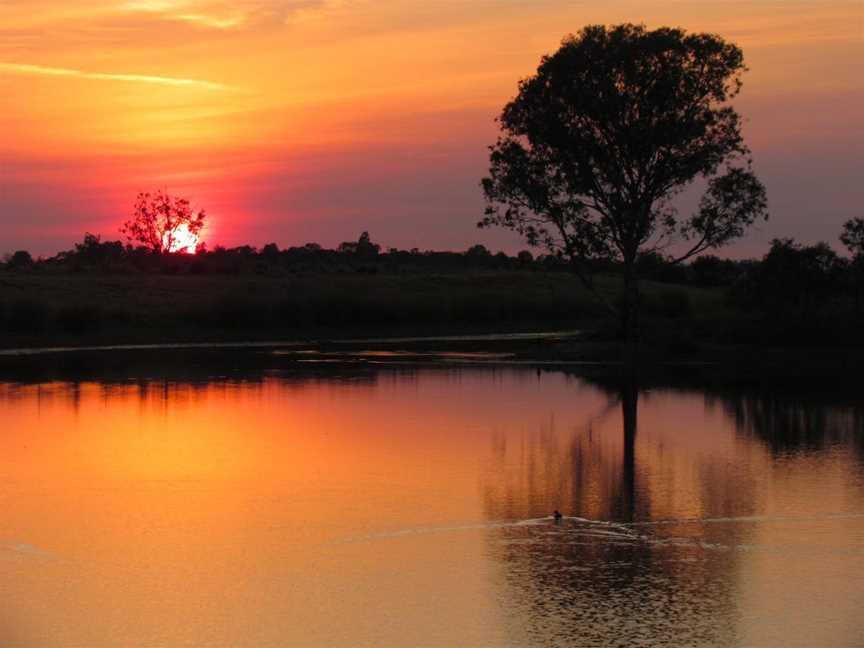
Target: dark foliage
x,y
363,256
19,260
853,237
25,315
796,295
612,126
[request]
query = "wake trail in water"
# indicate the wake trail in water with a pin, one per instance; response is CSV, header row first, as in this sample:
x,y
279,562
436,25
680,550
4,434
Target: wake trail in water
x,y
607,528
575,527
623,526
448,529
745,519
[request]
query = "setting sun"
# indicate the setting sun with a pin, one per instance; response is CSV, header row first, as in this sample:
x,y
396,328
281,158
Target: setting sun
x,y
182,240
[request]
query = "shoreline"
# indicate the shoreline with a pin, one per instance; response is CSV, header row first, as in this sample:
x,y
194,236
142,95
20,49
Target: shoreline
x,y
252,344
571,350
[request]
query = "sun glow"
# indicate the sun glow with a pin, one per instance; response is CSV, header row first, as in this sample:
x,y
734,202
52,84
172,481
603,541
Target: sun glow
x,y
182,240
347,99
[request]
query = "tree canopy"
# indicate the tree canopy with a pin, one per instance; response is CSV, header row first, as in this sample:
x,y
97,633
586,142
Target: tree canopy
x,y
615,124
163,223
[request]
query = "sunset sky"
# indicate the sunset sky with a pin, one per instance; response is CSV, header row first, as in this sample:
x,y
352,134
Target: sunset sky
x,y
312,120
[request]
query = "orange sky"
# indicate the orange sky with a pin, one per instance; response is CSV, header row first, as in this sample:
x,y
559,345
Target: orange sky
x,y
311,120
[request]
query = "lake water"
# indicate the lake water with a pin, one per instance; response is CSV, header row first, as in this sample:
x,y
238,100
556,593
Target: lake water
x,y
410,506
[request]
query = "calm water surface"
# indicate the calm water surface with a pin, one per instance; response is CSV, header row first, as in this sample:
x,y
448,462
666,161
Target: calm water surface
x,y
411,507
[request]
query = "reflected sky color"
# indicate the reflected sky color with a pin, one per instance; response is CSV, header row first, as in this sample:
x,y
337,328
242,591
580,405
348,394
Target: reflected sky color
x,y
410,508
301,120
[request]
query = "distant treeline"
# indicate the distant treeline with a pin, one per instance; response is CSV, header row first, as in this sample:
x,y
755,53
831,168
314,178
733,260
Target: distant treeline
x,y
109,257
796,294
788,266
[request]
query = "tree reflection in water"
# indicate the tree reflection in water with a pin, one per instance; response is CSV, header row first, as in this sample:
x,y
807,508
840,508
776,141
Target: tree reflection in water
x,y
616,572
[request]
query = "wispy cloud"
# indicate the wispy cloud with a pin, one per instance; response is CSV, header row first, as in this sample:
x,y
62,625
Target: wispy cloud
x,y
203,14
41,70
224,15
214,22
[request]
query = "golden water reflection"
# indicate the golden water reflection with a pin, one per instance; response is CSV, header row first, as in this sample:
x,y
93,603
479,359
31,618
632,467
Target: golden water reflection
x,y
409,508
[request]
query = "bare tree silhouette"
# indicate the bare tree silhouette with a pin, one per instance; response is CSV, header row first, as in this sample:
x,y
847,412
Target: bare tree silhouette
x,y
163,223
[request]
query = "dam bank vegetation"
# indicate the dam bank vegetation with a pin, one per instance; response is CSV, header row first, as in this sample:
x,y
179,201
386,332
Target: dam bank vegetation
x,y
796,296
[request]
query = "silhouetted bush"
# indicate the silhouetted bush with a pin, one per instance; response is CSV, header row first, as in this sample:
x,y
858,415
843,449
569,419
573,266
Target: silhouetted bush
x,y
674,303
79,319
234,311
793,282
26,316
19,260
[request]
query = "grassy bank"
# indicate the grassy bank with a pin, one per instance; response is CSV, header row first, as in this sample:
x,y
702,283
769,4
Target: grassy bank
x,y
43,310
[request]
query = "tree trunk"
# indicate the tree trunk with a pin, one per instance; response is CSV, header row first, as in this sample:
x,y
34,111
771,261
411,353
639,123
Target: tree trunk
x,y
630,313
626,504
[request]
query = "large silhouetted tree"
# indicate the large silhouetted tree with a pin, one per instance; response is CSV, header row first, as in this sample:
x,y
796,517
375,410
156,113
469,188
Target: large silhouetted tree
x,y
162,222
612,126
